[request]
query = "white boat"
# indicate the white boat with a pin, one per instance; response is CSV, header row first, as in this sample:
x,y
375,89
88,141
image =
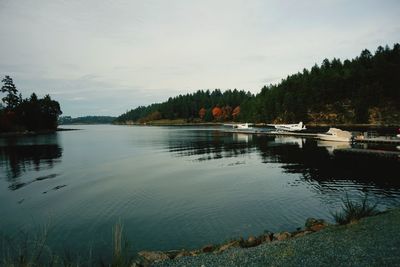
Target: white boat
x,y
335,134
289,127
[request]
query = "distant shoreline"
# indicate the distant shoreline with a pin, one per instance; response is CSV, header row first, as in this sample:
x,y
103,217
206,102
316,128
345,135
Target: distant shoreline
x,y
181,122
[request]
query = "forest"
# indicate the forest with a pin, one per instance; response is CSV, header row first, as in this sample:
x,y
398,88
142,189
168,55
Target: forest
x,y
363,90
200,106
29,114
86,120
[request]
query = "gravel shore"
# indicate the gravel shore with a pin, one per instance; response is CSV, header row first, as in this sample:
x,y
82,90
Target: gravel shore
x,y
373,241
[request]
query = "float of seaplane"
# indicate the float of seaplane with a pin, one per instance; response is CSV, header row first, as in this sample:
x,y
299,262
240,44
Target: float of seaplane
x,y
243,128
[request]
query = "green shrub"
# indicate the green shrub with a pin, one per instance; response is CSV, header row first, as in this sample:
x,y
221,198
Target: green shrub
x,y
354,210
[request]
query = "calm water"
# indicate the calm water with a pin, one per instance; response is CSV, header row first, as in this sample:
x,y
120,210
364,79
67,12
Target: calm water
x,y
175,187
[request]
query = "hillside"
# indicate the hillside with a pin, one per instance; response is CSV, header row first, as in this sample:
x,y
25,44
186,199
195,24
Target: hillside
x,y
365,90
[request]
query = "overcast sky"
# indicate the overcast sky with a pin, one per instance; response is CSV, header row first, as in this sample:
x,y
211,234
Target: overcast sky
x,y
105,57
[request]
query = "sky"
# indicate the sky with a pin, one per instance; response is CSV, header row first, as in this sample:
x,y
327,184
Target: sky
x,y
103,57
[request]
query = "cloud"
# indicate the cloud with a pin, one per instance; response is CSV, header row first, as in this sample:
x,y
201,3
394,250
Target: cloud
x,y
99,55
78,98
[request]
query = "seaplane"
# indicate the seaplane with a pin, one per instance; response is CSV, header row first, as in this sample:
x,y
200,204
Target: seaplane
x,y
289,127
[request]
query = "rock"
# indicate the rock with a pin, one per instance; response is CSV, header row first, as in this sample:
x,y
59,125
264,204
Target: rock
x,y
194,252
229,245
312,221
242,242
302,233
266,238
252,241
207,248
282,236
153,256
183,253
317,227
172,253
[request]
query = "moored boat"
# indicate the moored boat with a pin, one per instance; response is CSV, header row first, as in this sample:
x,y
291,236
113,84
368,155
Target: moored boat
x,y
337,135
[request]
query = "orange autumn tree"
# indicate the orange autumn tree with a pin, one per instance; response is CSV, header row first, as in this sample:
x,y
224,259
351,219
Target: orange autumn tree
x,y
217,113
202,113
226,112
236,112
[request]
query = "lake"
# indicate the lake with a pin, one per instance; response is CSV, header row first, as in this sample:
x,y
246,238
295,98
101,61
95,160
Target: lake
x,y
176,187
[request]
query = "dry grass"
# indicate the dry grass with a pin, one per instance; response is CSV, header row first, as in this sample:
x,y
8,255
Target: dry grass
x,y
25,250
354,210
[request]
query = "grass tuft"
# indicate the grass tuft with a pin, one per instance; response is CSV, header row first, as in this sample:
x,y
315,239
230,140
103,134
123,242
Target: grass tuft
x,y
354,210
120,247
25,250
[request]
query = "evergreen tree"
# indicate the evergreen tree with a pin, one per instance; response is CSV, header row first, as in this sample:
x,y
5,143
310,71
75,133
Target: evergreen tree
x,y
11,99
27,114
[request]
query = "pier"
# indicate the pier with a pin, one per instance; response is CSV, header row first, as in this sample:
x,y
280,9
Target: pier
x,y
372,140
394,155
379,140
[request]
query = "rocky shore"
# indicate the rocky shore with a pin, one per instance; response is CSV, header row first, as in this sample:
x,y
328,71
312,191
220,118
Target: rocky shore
x,y
372,241
147,258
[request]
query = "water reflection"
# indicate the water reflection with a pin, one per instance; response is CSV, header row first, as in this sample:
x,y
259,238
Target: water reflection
x,y
210,145
319,164
331,146
23,155
314,160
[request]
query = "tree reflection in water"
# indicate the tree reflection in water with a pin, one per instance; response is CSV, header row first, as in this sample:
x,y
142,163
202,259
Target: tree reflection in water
x,y
18,157
315,161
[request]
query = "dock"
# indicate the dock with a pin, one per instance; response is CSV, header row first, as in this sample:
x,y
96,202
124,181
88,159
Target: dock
x,y
379,140
296,134
394,155
373,140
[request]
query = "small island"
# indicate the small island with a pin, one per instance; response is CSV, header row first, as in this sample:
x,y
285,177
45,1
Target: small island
x,y
26,115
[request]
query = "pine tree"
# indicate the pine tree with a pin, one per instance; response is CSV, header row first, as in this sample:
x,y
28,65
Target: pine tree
x,y
11,99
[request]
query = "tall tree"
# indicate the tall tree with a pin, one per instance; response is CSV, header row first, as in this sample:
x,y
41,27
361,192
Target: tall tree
x,y
11,99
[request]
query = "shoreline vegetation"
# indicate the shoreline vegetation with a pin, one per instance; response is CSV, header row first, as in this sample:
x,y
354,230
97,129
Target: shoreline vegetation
x,y
183,122
361,234
68,120
26,115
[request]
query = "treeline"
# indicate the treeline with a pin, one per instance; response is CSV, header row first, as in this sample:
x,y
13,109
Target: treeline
x,y
199,106
365,89
86,120
32,114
